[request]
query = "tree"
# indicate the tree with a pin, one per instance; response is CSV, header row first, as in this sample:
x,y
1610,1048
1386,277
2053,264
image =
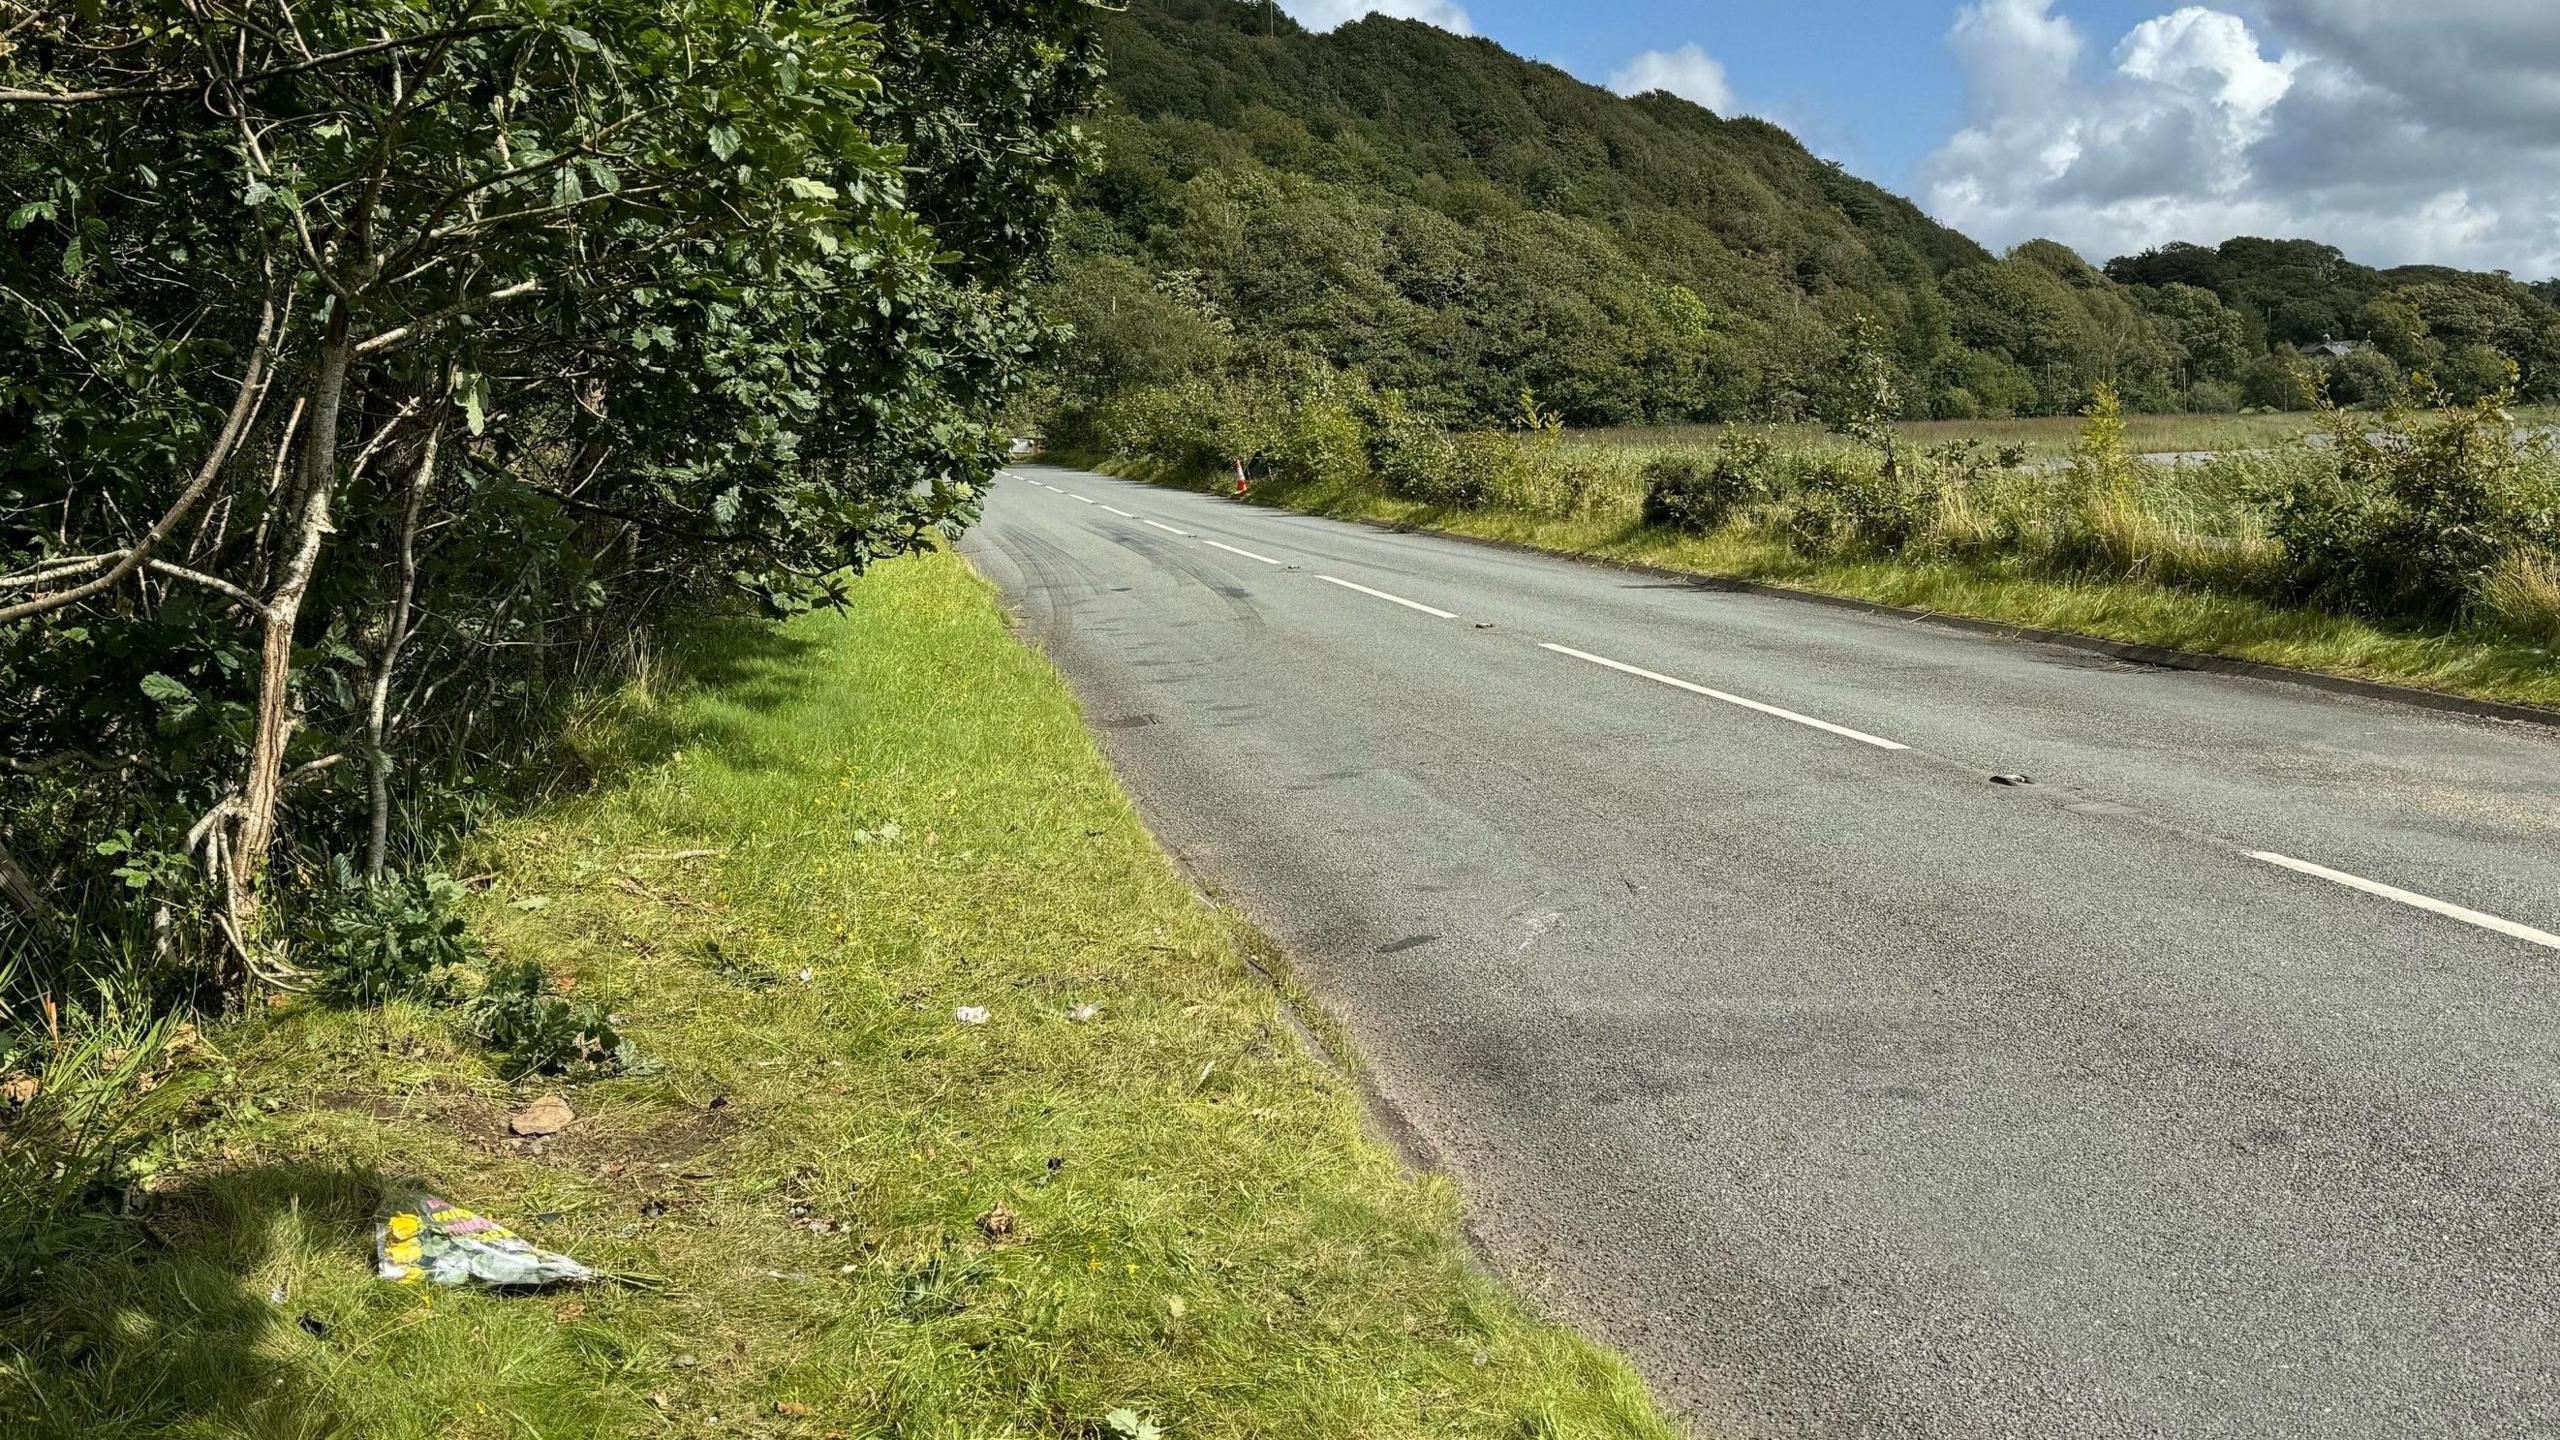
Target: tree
x,y
366,352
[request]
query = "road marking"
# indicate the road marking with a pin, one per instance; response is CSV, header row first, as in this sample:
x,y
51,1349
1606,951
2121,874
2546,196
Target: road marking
x,y
1383,595
1860,736
1116,510
2525,933
1235,550
1070,494
1169,530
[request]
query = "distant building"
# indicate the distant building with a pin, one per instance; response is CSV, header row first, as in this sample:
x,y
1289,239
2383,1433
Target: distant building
x,y
2331,349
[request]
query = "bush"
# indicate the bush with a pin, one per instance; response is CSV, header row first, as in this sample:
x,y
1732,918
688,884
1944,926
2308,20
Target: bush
x,y
1321,439
1412,455
374,940
1682,494
1846,508
2414,516
542,1033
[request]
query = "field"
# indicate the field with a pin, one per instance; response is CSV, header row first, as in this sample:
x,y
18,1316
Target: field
x,y
856,1212
2044,437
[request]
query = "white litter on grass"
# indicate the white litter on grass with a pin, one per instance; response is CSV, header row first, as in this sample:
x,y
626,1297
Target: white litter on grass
x,y
970,1014
1082,1013
807,974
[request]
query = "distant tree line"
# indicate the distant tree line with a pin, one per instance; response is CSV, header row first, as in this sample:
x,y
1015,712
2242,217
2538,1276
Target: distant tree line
x,y
1456,222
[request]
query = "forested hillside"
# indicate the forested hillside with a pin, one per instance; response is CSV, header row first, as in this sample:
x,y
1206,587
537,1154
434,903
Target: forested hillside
x,y
1457,223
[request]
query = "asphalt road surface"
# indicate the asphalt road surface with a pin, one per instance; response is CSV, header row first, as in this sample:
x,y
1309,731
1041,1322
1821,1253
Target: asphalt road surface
x,y
2209,1085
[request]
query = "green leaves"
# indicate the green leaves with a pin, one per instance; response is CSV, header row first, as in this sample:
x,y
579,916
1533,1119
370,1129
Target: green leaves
x,y
656,284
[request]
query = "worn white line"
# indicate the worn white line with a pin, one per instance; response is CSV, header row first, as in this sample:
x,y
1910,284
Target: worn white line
x,y
1169,530
1116,510
2485,921
1087,499
1397,599
1861,736
1237,550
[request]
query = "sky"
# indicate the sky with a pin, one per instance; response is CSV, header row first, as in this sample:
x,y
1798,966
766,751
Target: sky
x,y
2401,131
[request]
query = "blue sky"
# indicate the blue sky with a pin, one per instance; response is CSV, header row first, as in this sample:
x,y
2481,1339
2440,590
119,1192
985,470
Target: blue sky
x,y
2404,131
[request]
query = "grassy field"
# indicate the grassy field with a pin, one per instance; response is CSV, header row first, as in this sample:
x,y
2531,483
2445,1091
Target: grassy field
x,y
863,1217
2010,590
2042,437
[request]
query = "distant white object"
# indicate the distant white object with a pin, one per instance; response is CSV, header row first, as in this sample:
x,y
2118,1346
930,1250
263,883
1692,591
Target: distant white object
x,y
970,1014
1024,445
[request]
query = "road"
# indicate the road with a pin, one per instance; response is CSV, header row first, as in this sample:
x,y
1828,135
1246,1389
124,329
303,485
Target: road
x,y
1850,1092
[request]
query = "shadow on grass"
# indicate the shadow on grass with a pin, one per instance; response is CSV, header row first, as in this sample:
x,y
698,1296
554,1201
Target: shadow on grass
x,y
166,1318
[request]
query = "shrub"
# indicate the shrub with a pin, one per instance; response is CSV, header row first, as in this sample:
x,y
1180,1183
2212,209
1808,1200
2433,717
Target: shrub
x,y
2415,515
1846,508
1412,455
542,1033
1321,439
374,940
1490,465
1682,494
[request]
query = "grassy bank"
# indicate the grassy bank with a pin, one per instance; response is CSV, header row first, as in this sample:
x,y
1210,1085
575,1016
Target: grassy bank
x,y
861,1215
2012,588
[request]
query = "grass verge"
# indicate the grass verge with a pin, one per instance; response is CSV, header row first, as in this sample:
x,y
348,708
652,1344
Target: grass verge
x,y
868,1217
2136,610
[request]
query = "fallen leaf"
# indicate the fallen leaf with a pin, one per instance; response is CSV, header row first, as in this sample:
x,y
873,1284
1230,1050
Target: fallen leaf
x,y
998,1223
20,1089
791,1407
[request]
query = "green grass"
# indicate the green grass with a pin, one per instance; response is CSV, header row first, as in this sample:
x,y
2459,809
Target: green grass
x,y
2044,437
2472,663
1203,1232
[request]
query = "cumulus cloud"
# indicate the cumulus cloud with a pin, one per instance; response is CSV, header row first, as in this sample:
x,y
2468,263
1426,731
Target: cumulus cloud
x,y
1688,72
1326,14
2399,132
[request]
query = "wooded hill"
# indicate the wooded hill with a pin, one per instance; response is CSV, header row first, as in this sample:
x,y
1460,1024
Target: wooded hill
x,y
1459,222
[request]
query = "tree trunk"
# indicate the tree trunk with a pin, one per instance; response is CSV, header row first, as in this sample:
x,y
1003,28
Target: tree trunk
x,y
394,638
261,798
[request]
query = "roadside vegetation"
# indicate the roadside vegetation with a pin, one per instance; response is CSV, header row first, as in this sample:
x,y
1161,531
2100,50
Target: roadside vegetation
x,y
2172,438
825,848
2416,546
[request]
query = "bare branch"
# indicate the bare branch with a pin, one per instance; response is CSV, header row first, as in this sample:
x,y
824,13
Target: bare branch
x,y
252,391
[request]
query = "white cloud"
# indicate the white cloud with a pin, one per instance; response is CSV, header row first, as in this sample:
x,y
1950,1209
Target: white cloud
x,y
2399,132
1688,72
2016,54
1326,14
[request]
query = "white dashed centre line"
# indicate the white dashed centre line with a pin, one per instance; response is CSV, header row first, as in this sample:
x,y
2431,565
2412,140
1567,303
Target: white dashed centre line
x,y
1070,494
1169,530
1237,550
2525,933
1844,731
1395,599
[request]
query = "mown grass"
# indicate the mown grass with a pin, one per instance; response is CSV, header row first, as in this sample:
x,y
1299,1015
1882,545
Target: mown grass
x,y
864,1217
2008,589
